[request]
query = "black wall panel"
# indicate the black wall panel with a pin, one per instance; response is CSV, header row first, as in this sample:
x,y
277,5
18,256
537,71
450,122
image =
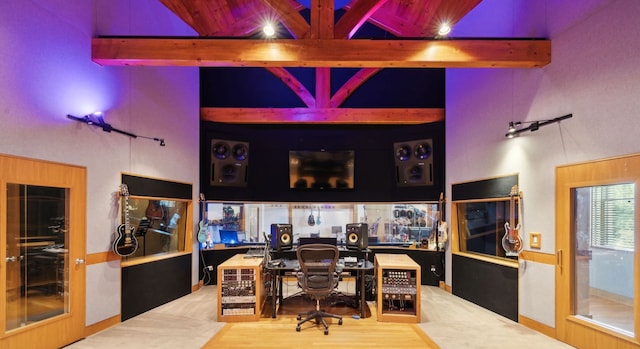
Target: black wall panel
x,y
148,285
268,173
143,186
489,285
499,187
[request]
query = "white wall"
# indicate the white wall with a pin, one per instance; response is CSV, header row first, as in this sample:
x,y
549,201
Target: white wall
x,y
46,72
593,75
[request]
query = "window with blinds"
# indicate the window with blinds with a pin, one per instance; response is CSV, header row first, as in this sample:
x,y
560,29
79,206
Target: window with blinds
x,y
613,216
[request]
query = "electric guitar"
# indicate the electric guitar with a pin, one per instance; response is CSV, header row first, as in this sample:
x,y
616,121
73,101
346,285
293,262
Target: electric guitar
x,y
318,217
125,243
203,232
311,221
441,237
511,241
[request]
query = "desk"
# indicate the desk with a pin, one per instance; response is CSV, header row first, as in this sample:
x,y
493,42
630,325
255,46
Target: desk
x,y
292,265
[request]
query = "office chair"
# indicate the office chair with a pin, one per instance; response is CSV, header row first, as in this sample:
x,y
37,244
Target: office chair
x,y
318,277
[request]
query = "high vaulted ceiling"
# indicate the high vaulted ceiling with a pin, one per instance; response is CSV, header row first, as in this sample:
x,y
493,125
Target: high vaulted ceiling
x,y
227,38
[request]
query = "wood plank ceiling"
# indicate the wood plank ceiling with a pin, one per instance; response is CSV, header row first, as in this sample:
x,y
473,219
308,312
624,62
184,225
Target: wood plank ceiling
x,y
227,27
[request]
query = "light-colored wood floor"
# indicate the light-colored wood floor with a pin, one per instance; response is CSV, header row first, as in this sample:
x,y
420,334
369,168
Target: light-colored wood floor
x,y
280,333
190,322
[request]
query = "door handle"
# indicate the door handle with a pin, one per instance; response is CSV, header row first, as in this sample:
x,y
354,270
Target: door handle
x,y
559,260
79,261
10,259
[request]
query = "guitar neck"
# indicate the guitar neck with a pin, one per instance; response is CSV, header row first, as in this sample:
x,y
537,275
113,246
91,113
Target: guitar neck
x,y
127,231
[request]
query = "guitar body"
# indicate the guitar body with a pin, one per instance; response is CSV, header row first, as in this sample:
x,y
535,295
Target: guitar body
x,y
442,232
125,243
311,221
202,233
511,241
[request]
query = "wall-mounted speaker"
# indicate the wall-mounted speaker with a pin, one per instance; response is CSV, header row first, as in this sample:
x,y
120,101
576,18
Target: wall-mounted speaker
x,y
357,236
281,236
229,163
414,162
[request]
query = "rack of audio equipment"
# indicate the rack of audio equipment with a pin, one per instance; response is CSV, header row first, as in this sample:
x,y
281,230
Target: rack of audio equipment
x,y
241,292
398,288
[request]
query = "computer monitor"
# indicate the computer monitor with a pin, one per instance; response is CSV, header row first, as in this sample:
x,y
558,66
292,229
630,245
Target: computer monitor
x,y
229,236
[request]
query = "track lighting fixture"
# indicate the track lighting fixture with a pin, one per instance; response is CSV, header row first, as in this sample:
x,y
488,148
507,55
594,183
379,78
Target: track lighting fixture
x,y
515,127
96,119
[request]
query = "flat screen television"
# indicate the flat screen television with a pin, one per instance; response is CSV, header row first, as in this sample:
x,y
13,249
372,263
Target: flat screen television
x,y
321,169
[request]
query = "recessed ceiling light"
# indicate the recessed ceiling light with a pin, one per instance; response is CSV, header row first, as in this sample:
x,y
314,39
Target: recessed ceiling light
x,y
269,30
445,29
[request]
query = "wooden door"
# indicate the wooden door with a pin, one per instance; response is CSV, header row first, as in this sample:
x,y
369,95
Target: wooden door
x,y
42,249
597,273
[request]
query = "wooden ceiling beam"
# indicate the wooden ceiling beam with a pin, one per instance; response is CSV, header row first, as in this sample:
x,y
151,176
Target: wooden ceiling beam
x,y
206,52
290,17
355,17
352,85
371,116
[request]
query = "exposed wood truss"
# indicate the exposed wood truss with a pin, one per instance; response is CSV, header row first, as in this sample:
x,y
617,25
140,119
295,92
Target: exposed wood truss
x,y
225,26
202,52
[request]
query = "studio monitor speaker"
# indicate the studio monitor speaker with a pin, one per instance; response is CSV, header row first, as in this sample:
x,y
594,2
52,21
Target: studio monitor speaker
x,y
281,236
414,162
229,163
357,236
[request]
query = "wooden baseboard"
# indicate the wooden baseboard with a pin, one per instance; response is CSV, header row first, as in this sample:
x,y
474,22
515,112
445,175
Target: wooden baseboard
x,y
445,286
102,325
537,326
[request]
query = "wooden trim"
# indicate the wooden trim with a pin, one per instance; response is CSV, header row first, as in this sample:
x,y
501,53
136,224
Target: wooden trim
x,y
101,257
538,257
152,258
537,326
101,325
489,259
361,53
411,116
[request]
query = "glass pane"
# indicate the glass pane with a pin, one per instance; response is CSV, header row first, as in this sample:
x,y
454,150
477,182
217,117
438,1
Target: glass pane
x,y
387,223
603,240
156,225
481,226
37,255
